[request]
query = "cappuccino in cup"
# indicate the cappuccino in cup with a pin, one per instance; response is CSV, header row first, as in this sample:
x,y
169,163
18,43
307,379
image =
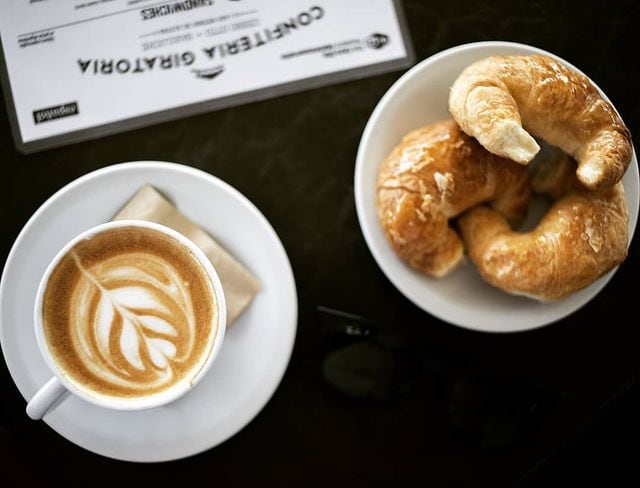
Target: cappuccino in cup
x,y
130,312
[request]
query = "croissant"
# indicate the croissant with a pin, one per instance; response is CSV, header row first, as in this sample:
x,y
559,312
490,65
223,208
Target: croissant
x,y
581,237
494,98
434,174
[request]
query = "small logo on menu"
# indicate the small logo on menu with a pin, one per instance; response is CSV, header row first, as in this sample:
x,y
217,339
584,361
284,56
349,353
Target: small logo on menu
x,y
376,40
209,73
55,112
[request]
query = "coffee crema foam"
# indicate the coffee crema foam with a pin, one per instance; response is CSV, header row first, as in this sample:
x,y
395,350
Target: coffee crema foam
x,y
129,312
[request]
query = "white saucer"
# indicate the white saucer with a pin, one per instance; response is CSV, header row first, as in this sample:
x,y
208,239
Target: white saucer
x,y
256,349
418,98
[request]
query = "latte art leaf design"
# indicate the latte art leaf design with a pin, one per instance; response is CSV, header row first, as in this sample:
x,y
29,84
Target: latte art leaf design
x,y
133,319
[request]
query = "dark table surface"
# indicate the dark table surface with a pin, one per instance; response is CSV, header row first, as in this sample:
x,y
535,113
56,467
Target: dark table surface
x,y
447,407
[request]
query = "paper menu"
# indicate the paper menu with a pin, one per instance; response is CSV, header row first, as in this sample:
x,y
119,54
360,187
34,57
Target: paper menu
x,y
77,69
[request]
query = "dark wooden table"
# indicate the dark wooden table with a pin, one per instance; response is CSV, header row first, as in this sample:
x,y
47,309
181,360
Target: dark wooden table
x,y
464,408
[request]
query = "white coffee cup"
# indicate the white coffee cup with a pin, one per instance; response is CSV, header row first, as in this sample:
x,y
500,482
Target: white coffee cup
x,y
59,385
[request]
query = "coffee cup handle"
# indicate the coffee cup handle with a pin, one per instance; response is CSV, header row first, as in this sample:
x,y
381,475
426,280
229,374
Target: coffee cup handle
x,y
45,398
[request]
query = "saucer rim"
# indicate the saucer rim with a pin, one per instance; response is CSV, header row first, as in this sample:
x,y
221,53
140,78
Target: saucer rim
x,y
292,313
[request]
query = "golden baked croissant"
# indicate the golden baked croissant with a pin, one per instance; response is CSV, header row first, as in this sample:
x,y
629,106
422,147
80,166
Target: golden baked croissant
x,y
580,238
494,98
434,174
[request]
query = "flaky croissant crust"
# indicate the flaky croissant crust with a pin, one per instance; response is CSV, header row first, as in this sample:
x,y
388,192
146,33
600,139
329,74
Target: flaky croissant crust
x,y
581,237
494,98
433,175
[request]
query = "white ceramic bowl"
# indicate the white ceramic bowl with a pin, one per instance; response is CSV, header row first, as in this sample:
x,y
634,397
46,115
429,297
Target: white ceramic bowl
x,y
418,98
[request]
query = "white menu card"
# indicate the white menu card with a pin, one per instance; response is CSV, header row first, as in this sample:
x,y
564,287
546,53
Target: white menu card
x,y
78,69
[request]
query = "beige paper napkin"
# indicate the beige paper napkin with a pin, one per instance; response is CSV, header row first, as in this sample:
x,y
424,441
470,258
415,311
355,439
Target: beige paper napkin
x,y
239,285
